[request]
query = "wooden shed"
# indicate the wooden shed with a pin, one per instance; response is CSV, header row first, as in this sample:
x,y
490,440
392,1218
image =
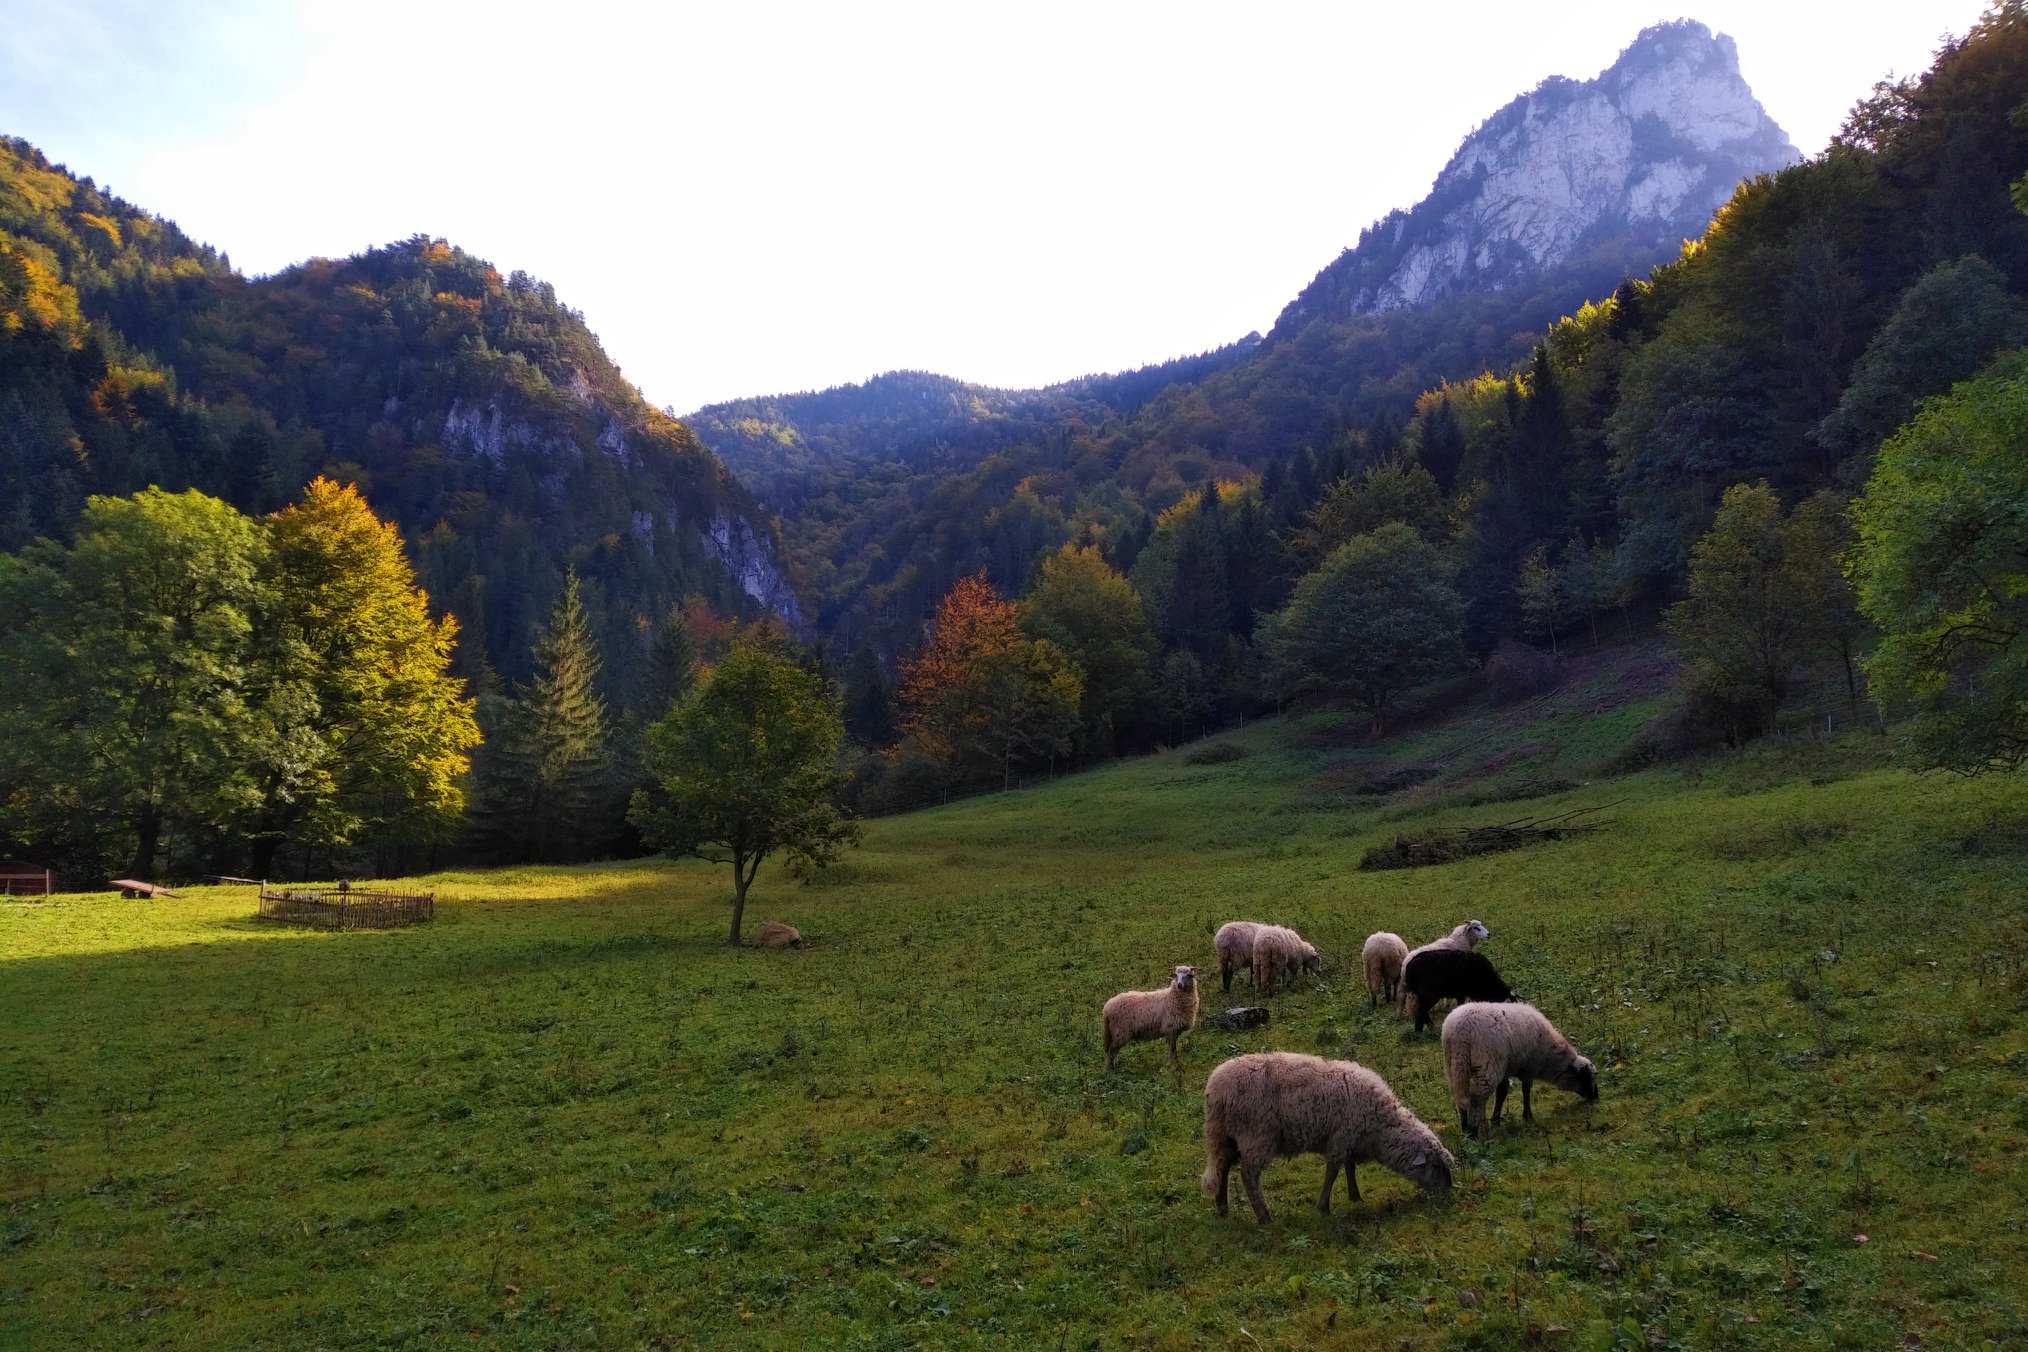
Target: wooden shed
x,y
25,880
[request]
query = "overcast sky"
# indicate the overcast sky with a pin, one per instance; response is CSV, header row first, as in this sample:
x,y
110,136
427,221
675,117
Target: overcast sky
x,y
746,198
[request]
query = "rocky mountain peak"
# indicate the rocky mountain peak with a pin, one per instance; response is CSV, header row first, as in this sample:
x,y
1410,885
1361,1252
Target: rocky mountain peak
x,y
1617,169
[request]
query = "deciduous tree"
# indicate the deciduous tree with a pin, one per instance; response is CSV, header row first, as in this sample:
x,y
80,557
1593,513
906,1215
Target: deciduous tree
x,y
1377,619
744,769
1941,566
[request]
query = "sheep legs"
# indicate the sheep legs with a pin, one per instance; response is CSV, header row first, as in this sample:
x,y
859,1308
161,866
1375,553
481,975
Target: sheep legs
x,y
1527,1108
1249,1174
1228,1155
1331,1177
1175,1066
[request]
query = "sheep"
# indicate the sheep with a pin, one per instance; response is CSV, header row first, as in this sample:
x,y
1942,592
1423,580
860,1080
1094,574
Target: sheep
x,y
1234,942
1485,1044
1448,974
774,934
1265,1106
1464,938
1278,952
1383,955
1141,1016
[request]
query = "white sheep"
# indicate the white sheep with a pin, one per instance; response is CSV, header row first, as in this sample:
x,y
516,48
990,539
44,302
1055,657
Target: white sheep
x,y
1383,956
1465,937
1265,1106
1142,1016
1485,1044
1234,942
1278,952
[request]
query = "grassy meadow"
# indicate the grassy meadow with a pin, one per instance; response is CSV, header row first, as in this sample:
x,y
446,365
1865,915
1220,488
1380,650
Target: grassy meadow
x,y
566,1115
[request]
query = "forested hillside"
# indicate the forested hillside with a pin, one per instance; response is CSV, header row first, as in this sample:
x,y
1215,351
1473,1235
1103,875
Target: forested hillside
x,y
1255,518
1551,203
475,410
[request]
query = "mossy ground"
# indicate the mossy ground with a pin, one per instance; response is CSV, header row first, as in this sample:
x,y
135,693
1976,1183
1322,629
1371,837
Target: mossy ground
x,y
564,1114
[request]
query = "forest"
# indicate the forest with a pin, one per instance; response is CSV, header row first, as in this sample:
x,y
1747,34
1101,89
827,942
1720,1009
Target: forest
x,y
1035,579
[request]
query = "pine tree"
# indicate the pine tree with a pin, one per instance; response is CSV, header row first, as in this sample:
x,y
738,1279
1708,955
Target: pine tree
x,y
548,791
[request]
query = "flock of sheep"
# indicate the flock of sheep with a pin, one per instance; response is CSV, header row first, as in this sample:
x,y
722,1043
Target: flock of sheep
x,y
1264,1106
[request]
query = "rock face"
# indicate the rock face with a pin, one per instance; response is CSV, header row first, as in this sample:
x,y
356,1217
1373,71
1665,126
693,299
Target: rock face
x,y
1629,164
750,557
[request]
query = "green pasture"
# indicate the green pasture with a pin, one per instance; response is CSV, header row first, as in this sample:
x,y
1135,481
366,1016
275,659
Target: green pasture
x,y
566,1115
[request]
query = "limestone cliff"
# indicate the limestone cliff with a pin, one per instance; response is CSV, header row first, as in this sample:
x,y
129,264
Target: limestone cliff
x,y
1621,168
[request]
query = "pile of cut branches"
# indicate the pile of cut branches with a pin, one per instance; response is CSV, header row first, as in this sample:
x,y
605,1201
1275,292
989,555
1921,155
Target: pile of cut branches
x,y
1461,842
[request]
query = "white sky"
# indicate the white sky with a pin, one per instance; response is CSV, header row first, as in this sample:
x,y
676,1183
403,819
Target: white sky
x,y
745,198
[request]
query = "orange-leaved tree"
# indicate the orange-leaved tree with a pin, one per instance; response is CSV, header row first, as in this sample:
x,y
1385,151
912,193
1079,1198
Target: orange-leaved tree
x,y
981,695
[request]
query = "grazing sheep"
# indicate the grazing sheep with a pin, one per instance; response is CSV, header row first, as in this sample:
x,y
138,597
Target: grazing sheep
x,y
1463,939
1449,974
774,934
1383,955
1142,1016
1266,1106
1234,942
1279,952
1485,1044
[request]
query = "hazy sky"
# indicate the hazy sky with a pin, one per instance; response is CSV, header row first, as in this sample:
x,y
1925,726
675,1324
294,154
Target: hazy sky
x,y
745,198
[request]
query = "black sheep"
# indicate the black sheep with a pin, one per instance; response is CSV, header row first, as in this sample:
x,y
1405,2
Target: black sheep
x,y
1450,974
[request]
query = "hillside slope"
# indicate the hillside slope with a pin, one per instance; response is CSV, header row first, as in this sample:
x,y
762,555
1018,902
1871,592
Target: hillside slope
x,y
575,1117
474,409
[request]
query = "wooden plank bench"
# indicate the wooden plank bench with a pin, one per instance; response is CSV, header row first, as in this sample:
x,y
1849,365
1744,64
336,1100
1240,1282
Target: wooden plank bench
x,y
130,887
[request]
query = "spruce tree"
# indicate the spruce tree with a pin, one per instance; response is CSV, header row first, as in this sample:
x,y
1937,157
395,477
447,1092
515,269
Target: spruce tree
x,y
549,794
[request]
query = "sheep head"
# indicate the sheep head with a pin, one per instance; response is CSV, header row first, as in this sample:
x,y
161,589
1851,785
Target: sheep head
x,y
1584,1077
1183,978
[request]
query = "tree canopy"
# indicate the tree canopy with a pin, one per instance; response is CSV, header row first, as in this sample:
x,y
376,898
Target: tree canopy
x,y
744,769
1941,566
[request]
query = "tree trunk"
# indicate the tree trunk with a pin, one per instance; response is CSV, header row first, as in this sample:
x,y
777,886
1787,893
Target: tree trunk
x,y
740,878
264,848
147,834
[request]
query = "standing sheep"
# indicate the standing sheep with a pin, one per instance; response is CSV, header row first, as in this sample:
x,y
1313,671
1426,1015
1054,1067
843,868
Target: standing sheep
x,y
1449,974
1383,956
1486,1044
1463,939
1281,952
1142,1016
1234,942
1266,1106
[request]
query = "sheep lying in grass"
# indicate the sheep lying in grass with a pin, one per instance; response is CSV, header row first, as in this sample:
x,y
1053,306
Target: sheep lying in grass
x,y
1142,1016
774,934
1383,955
1485,1044
1279,952
1448,974
1463,939
1266,1106
1234,942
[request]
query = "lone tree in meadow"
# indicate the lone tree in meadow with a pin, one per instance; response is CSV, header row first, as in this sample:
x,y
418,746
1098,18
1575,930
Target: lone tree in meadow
x,y
744,768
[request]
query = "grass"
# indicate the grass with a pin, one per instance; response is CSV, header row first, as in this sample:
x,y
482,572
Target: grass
x,y
564,1115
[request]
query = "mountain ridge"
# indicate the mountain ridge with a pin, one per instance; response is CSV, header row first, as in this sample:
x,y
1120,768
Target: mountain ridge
x,y
1646,150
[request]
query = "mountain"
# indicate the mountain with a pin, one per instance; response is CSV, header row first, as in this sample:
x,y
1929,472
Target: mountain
x,y
1626,165
889,491
473,409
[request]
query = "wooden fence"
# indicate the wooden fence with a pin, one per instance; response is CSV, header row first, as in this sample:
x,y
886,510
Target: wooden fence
x,y
351,908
